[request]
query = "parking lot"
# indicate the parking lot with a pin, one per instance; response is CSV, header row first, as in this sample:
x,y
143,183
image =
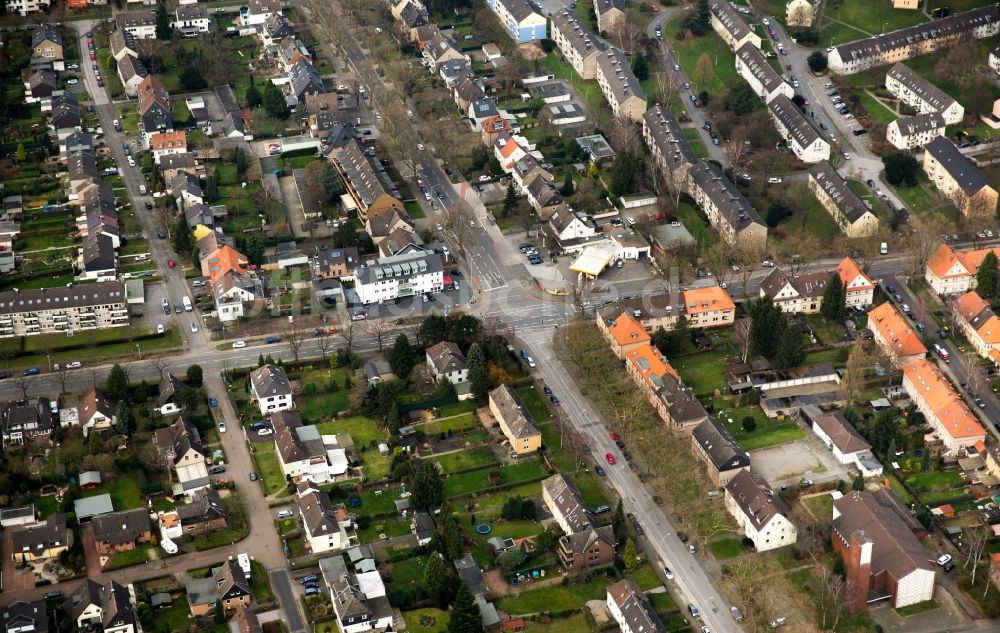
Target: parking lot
x,y
789,463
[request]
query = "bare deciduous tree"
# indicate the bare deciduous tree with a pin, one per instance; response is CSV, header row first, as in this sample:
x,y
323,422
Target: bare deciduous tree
x,y
23,383
834,594
62,375
295,336
324,341
853,379
348,332
161,365
744,337
975,543
975,377
377,329
921,245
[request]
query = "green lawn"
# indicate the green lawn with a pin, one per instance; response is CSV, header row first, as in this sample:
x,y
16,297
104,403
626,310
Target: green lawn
x,y
696,224
268,468
468,483
174,618
591,489
461,422
645,576
376,465
835,33
456,408
555,598
873,17
726,548
363,430
935,480
769,435
426,621
391,527
920,607
533,400
377,505
466,459
703,372
876,109
45,505
323,406
414,209
723,59
127,559
821,506
124,491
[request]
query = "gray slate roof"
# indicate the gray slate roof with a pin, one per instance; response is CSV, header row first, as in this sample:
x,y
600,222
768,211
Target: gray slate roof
x,y
965,173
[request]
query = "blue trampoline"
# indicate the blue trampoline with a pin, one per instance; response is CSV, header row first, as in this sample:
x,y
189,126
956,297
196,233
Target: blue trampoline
x,y
484,528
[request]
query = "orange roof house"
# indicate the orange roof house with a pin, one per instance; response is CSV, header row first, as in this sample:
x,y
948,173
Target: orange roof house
x,y
850,273
626,334
508,152
646,364
979,324
710,306
894,335
953,422
164,141
223,260
953,272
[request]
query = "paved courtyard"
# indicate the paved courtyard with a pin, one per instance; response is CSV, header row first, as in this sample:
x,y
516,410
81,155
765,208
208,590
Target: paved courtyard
x,y
807,458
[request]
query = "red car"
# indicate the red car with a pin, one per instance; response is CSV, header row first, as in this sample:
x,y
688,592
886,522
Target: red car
x,y
93,57
614,436
171,263
611,459
697,103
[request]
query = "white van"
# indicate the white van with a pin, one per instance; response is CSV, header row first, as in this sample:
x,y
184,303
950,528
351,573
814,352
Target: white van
x,y
884,248
142,189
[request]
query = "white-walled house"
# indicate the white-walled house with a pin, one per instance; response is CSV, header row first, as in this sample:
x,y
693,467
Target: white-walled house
x,y
271,389
761,514
844,441
446,360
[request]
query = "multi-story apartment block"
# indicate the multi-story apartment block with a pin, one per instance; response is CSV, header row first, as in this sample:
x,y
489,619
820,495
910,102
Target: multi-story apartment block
x,y
620,86
958,178
731,26
762,514
726,208
850,212
520,19
915,91
668,145
404,275
954,424
610,14
882,50
760,74
577,44
800,135
913,132
365,179
63,309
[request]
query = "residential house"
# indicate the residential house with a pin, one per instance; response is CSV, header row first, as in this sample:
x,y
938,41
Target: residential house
x,y
913,132
270,387
674,403
155,114
305,455
338,263
325,525
121,531
844,441
25,617
944,409
131,72
191,20
183,453
799,294
577,44
465,91
172,164
166,403
566,504
232,291
365,180
798,132
762,515
378,370
446,360
543,195
918,93
730,25
958,178
878,540
40,541
439,50
610,14
24,421
18,517
96,412
85,606
981,327
621,89
891,330
583,544
26,7
708,307
233,585
167,144
245,621
567,225
668,145
631,609
951,272
223,260
859,288
760,74
515,420
520,19
48,310
727,210
140,23
47,42
907,43
258,12
854,217
407,274
722,454
423,528
359,598
508,152
305,80
205,512
624,334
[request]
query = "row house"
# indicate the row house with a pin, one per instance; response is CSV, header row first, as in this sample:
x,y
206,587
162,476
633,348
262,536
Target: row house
x,y
365,180
954,424
958,178
621,89
760,74
722,454
849,211
952,272
674,402
669,147
918,93
977,321
727,210
579,46
730,25
799,133
582,544
893,334
140,23
520,20
515,421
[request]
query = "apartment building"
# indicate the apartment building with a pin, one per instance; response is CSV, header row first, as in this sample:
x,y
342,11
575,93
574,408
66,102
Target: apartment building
x,y
879,541
515,420
951,272
915,91
730,25
620,87
577,44
140,23
799,133
366,181
191,20
673,401
846,207
670,148
582,544
520,19
610,14
270,387
913,132
892,332
958,178
859,288
27,7
404,275
721,453
761,514
795,294
980,325
954,424
729,213
63,309
326,526
760,74
896,46
47,42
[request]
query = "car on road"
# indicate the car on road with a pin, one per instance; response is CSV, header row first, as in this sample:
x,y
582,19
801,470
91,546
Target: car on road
x,y
546,390
774,180
31,371
171,263
194,327
611,459
669,574
806,483
213,402
980,403
93,56
440,195
614,436
420,146
222,427
272,339
531,362
767,263
599,471
178,309
74,364
947,567
131,161
253,476
554,400
4,374
239,344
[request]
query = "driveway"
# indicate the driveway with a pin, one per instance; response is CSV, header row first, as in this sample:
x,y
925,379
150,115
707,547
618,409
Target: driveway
x,y
90,555
293,206
13,578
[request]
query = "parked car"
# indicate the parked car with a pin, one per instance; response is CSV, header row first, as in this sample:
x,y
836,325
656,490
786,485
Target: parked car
x,y
222,427
611,459
239,344
284,514
599,471
31,371
253,476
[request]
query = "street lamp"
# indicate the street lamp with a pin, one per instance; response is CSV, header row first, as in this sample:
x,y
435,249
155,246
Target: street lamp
x,y
139,350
